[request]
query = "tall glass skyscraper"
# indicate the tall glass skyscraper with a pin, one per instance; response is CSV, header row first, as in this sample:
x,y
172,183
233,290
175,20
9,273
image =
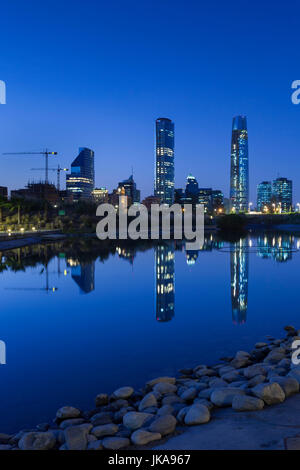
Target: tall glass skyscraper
x,y
81,181
239,173
164,165
283,194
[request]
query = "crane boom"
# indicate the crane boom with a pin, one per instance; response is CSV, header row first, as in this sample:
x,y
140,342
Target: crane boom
x,y
46,153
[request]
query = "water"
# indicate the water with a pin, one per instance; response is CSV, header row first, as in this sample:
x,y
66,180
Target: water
x,y
78,319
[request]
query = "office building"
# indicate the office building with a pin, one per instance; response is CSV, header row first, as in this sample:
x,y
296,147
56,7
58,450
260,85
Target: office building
x,y
239,172
81,181
164,165
283,194
264,196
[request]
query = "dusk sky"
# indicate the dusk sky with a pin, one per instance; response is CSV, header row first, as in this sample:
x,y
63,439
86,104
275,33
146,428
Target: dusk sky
x,y
98,74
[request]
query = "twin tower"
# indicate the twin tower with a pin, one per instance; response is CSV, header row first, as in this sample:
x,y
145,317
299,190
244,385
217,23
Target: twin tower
x,y
239,171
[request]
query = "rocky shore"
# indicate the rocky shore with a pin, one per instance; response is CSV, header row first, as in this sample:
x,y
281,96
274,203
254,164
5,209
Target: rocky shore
x,y
249,381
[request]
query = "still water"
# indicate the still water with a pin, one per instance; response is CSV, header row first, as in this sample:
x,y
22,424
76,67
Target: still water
x,y
78,320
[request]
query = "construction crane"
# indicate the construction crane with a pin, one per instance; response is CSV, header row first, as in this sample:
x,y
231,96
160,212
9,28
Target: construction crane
x,y
58,170
46,153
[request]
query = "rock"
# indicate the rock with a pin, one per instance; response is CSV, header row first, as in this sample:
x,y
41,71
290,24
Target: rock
x,y
288,384
101,399
241,359
269,393
189,394
67,412
5,438
104,417
186,371
275,356
171,399
42,427
134,420
95,445
217,382
246,403
37,441
163,425
165,410
5,447
231,376
295,374
291,331
142,437
147,401
261,345
115,443
205,371
105,430
71,422
197,414
118,416
223,396
76,436
164,388
223,370
258,379
203,401
181,414
206,393
169,380
255,369
123,393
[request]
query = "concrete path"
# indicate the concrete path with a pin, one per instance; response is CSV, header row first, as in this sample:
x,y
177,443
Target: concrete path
x,y
275,427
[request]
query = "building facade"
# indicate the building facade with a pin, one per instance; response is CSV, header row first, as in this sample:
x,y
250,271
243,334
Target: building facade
x,y
239,170
283,194
100,195
81,181
264,196
164,165
130,189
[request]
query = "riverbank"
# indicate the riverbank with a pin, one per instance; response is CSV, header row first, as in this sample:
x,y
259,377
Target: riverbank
x,y
247,384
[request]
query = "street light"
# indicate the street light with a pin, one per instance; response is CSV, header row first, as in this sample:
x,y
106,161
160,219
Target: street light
x,y
249,208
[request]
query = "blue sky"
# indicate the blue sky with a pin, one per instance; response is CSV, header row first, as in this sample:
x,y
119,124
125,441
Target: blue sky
x,y
97,74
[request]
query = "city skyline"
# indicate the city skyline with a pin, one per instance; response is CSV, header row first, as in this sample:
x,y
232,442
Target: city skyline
x,y
109,102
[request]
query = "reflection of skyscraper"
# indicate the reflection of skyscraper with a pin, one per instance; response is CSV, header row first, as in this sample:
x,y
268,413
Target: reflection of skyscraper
x,y
239,176
191,257
83,274
239,260
164,165
165,282
275,247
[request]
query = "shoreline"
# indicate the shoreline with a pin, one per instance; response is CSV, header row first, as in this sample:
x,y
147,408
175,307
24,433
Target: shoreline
x,y
249,382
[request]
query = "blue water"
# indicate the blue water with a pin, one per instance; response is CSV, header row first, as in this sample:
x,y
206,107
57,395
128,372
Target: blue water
x,y
96,325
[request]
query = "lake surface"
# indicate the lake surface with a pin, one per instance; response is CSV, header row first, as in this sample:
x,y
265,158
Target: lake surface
x,y
78,319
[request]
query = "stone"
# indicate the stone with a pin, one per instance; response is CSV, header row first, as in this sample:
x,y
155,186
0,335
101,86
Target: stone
x,y
246,403
203,401
205,371
233,376
171,399
223,396
104,417
115,443
165,410
71,422
217,382
189,394
261,345
169,380
181,414
241,359
68,412
5,438
164,388
295,374
270,393
206,393
142,437
223,370
275,356
42,427
5,447
291,330
37,441
123,393
292,443
95,445
163,425
255,369
76,436
105,430
288,384
101,399
257,379
134,420
197,414
148,401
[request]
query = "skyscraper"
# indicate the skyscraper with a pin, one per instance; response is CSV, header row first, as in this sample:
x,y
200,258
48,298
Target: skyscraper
x,y
164,165
130,189
264,196
239,173
81,181
283,194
